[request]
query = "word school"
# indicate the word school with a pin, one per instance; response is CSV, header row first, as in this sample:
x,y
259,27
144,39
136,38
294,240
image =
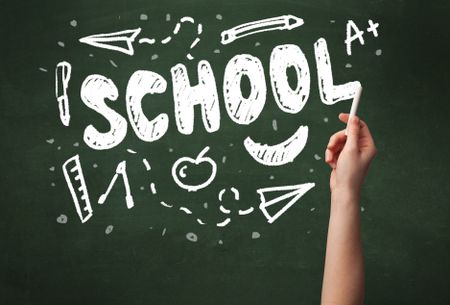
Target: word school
x,y
242,110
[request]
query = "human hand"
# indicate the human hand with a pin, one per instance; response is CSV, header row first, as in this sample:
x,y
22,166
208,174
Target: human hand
x,y
350,156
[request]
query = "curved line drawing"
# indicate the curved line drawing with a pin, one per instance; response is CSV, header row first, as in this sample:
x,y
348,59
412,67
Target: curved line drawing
x,y
224,210
223,223
233,189
246,212
181,171
146,164
153,188
175,31
235,192
279,154
147,40
222,191
186,210
166,205
201,222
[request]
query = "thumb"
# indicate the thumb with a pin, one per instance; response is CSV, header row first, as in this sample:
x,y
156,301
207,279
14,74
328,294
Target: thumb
x,y
353,133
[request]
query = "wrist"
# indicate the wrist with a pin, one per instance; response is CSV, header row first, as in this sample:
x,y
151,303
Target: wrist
x,y
341,195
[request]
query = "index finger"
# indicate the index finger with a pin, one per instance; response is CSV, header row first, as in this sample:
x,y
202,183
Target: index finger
x,y
364,128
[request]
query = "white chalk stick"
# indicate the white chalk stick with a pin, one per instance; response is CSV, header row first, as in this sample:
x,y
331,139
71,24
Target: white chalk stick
x,y
355,105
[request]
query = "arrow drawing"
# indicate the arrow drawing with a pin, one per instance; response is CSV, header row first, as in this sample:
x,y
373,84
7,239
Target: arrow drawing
x,y
292,193
113,41
286,22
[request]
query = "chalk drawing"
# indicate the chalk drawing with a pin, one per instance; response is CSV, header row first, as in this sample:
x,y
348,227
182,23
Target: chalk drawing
x,y
285,22
224,210
246,212
50,141
284,56
201,222
290,195
329,93
186,210
166,204
110,41
113,63
62,219
278,154
223,223
179,167
256,235
244,110
62,77
120,170
186,97
109,229
73,174
146,164
131,151
233,190
141,83
175,31
94,90
153,188
358,34
191,237
373,28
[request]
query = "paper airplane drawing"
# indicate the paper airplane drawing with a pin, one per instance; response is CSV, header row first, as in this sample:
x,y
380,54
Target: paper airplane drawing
x,y
116,41
289,195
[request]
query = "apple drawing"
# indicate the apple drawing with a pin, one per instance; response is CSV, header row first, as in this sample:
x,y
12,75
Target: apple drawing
x,y
183,164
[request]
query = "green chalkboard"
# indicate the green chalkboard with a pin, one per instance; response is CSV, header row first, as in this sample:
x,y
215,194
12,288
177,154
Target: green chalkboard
x,y
179,228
